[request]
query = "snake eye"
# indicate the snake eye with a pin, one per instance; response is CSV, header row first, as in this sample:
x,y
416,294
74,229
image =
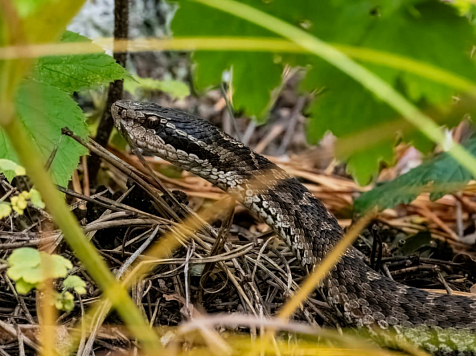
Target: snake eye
x,y
151,122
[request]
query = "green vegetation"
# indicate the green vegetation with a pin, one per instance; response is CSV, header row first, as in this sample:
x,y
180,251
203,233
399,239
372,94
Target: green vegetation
x,y
380,73
45,105
438,176
424,31
174,88
30,268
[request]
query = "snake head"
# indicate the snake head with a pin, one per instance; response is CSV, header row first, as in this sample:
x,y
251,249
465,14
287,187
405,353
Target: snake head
x,y
183,139
134,114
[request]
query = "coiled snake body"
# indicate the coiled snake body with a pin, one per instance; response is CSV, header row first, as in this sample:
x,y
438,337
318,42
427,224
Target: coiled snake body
x,y
442,324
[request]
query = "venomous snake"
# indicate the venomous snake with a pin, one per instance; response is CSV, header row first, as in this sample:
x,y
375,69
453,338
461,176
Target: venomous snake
x,y
364,299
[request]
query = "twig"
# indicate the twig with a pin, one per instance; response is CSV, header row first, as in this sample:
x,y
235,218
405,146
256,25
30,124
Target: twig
x,y
121,29
137,253
11,330
292,119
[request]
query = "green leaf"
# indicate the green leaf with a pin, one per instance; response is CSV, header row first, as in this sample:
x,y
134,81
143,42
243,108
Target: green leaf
x,y
29,267
175,88
255,74
26,256
76,283
30,274
364,164
59,265
422,30
23,287
5,210
6,150
35,199
45,110
10,168
439,176
76,72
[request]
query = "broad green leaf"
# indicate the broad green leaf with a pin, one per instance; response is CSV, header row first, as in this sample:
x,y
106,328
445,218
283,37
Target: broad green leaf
x,y
364,164
45,110
254,76
423,30
439,176
175,88
7,166
76,72
24,256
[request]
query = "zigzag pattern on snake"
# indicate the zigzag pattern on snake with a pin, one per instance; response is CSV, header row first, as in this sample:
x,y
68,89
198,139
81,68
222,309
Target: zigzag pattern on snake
x,y
364,299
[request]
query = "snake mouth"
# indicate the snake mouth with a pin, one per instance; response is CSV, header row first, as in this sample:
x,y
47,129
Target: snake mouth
x,y
116,112
129,112
125,109
128,116
147,129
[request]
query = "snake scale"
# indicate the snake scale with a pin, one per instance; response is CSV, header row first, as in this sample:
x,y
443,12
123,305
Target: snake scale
x,y
364,299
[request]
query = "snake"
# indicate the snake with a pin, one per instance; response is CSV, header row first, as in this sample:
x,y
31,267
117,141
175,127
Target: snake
x,y
362,298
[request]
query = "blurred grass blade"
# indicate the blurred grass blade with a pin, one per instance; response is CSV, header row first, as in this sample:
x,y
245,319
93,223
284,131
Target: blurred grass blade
x,y
247,44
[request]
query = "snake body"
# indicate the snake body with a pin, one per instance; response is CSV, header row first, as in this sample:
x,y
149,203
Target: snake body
x,y
439,323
